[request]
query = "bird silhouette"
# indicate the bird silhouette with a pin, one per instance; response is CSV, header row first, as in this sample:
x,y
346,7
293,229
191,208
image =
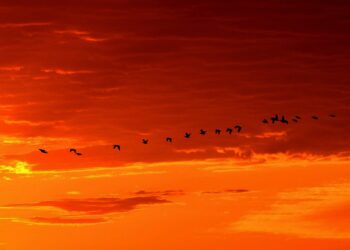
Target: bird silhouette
x,y
314,117
187,135
274,119
332,115
283,120
145,141
265,121
43,151
79,154
72,150
202,132
229,130
217,131
298,117
169,139
239,128
116,146
295,120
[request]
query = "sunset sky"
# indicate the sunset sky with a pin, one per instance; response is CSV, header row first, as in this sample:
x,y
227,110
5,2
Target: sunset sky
x,y
90,74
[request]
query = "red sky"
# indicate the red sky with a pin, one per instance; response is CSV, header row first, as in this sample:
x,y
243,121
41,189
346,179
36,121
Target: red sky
x,y
90,74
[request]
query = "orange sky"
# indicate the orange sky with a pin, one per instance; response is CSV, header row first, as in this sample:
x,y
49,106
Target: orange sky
x,y
90,74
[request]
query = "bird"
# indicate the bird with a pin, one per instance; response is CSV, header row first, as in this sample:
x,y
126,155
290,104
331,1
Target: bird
x,y
295,120
145,141
314,117
169,139
229,130
72,150
239,128
202,132
43,151
274,119
283,120
187,135
116,146
78,154
217,131
298,117
332,115
265,121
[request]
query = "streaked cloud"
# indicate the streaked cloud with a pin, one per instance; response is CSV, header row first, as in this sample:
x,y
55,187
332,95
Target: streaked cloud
x,y
96,206
296,213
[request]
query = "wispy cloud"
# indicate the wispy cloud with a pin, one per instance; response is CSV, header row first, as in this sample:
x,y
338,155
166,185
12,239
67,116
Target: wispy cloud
x,y
96,206
24,25
295,213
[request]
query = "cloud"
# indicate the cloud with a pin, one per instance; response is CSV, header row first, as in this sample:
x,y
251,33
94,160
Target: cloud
x,y
96,206
161,193
315,212
65,221
24,25
227,191
18,167
67,72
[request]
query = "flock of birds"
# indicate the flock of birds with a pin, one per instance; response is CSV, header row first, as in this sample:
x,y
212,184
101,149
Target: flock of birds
x,y
203,132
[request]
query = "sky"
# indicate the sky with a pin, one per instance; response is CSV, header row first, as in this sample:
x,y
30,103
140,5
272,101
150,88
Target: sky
x,y
91,74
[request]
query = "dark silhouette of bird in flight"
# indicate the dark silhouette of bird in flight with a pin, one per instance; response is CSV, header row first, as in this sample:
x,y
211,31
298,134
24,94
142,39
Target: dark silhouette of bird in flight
x,y
295,120
202,132
283,120
187,135
298,117
43,151
78,154
145,141
265,121
217,131
274,119
169,139
239,128
116,146
332,115
314,117
229,130
72,150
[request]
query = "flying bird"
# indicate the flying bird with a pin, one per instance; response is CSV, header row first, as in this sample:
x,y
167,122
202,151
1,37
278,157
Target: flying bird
x,y
283,120
274,119
239,128
145,141
116,146
187,135
72,150
265,121
217,131
43,151
332,115
78,154
295,120
229,130
202,132
298,117
169,139
314,117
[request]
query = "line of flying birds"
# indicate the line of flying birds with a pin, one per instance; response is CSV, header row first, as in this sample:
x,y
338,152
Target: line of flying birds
x,y
217,131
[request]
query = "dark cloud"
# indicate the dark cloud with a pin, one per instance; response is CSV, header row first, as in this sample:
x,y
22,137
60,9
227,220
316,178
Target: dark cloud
x,y
97,206
239,190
